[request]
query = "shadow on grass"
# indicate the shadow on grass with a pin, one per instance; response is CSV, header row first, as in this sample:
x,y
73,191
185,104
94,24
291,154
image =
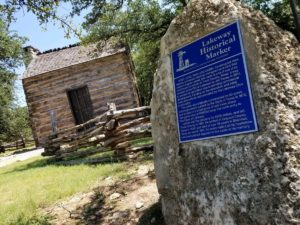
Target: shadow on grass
x,y
40,163
32,165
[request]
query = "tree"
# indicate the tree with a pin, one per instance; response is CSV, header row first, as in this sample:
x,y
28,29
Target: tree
x,y
19,127
145,59
11,56
141,24
296,15
279,11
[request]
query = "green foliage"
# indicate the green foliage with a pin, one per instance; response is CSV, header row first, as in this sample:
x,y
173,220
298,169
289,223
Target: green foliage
x,y
142,141
34,184
141,24
44,10
136,21
279,11
31,220
145,60
18,124
10,47
11,55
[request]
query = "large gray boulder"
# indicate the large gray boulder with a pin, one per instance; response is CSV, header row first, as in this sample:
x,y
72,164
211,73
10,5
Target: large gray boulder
x,y
243,179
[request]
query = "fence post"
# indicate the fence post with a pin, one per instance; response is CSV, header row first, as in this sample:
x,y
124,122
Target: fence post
x,y
53,122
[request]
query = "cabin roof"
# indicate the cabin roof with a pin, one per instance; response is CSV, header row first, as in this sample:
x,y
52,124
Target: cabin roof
x,y
55,59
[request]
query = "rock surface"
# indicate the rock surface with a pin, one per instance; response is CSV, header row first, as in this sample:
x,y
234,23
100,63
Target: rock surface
x,y
114,196
243,179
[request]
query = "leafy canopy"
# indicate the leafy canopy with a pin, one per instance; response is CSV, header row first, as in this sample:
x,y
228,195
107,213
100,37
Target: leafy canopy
x,y
11,56
279,11
19,126
140,23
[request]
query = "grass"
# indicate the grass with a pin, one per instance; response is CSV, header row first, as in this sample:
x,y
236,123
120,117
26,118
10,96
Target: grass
x,y
142,141
33,184
101,155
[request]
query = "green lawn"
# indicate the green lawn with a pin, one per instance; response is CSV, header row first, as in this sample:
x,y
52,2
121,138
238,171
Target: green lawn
x,y
32,184
142,141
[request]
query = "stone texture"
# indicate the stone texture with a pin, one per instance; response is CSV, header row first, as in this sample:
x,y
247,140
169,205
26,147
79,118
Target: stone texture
x,y
244,179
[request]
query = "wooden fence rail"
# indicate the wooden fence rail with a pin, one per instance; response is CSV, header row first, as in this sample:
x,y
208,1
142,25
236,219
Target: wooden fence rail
x,y
114,129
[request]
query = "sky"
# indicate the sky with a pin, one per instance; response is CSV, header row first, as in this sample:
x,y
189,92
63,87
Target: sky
x,y
42,37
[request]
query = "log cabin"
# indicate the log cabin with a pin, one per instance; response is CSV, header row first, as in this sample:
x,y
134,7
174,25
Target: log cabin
x,y
69,86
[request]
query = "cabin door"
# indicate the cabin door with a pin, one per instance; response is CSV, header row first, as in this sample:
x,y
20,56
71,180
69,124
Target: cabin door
x,y
81,104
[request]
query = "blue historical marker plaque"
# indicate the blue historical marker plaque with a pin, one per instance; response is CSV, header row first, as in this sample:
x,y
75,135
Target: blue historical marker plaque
x,y
212,88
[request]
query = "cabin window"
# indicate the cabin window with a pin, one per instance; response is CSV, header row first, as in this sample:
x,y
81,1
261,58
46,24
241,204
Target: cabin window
x,y
81,105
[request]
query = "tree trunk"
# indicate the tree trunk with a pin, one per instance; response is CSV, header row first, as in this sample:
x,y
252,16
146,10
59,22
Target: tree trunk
x,y
23,142
296,18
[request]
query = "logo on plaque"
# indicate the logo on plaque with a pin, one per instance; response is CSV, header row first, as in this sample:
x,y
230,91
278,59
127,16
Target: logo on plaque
x,y
183,63
212,87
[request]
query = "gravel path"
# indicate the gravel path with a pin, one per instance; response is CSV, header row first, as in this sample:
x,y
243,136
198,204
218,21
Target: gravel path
x,y
7,160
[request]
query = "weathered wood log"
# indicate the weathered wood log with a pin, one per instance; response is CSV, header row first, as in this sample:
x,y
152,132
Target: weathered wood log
x,y
13,144
83,153
78,139
132,130
128,113
111,106
115,114
96,128
100,137
77,127
132,123
107,131
82,144
111,125
74,138
126,137
132,138
50,151
148,147
123,145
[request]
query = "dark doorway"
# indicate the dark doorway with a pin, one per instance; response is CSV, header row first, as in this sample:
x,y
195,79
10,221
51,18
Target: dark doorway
x,y
81,105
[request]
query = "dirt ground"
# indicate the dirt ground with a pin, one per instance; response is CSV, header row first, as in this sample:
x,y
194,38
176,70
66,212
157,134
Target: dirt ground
x,y
129,202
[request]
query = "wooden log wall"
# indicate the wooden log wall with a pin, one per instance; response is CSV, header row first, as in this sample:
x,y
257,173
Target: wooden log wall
x,y
110,132
108,79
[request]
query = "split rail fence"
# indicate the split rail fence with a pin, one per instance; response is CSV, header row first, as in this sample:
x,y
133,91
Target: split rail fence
x,y
113,130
